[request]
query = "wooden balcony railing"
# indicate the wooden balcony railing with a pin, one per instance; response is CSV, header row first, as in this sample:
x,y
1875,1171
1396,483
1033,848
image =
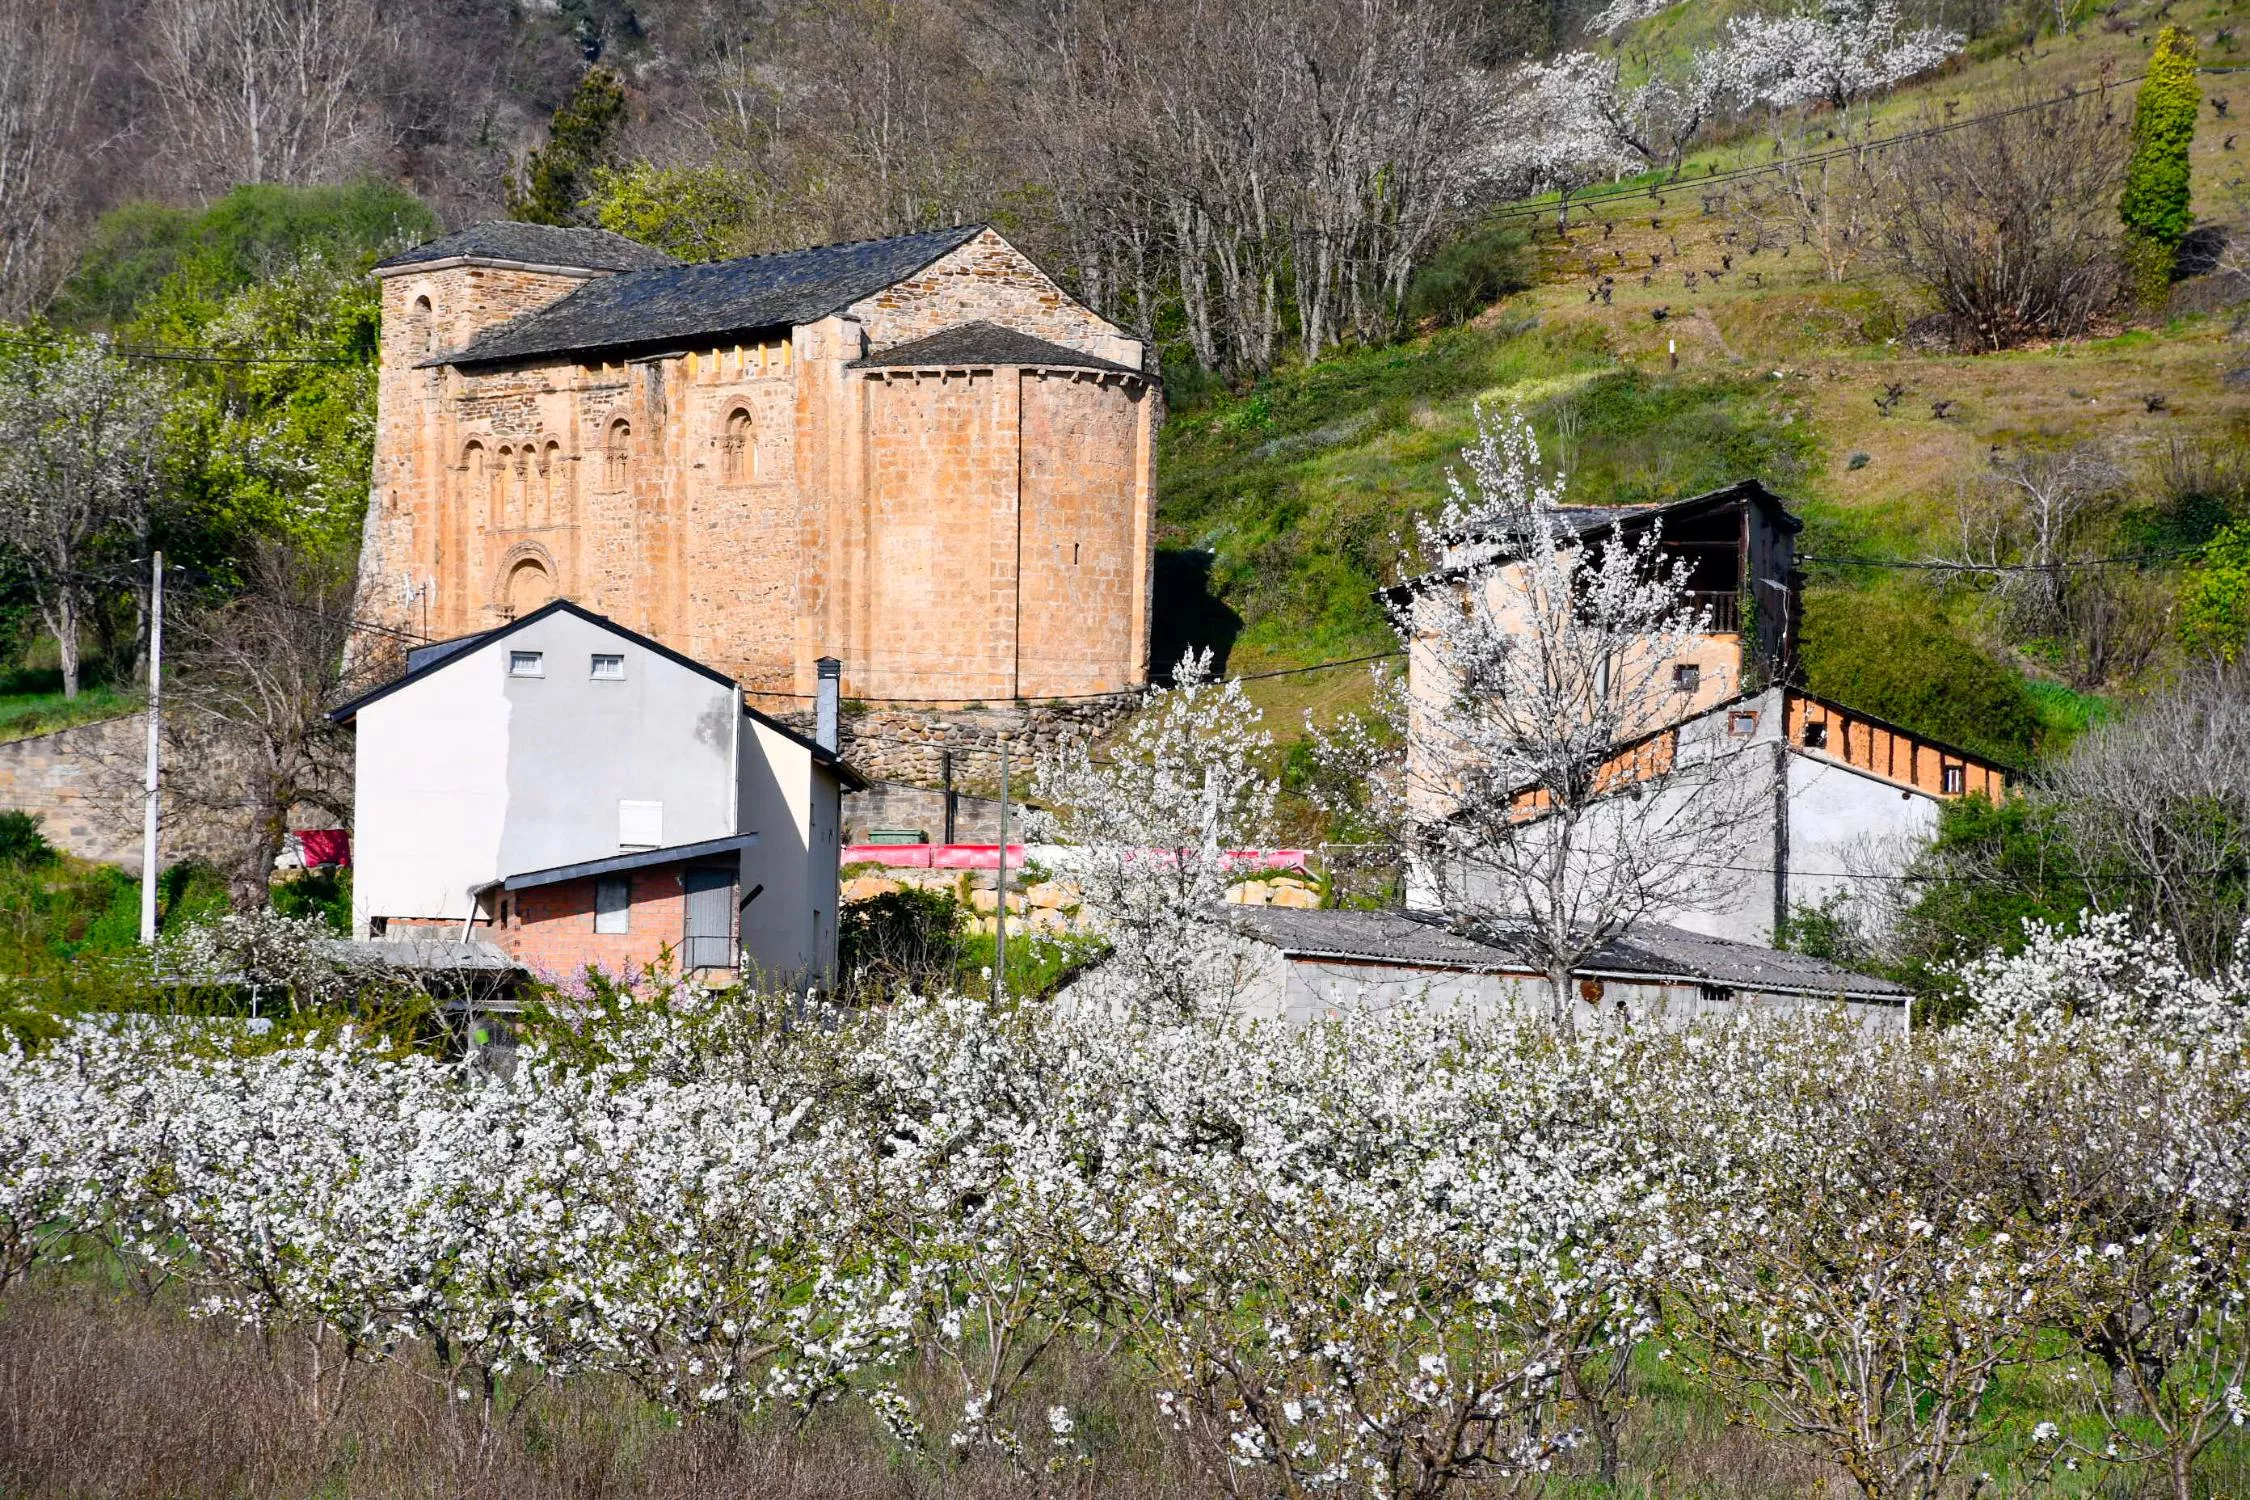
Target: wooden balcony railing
x,y
1726,610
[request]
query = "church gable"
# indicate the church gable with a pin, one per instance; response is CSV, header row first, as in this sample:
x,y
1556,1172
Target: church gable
x,y
986,279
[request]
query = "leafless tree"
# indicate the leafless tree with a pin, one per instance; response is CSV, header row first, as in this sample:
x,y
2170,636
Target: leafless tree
x,y
257,675
2155,811
2011,222
80,466
2039,528
1548,793
46,72
1823,195
266,90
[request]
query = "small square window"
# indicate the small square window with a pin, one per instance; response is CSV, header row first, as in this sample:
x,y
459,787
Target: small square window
x,y
527,664
609,667
1816,734
1687,679
1742,723
1953,779
613,903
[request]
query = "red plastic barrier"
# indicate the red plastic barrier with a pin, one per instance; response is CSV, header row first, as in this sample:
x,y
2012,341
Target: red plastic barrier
x,y
987,857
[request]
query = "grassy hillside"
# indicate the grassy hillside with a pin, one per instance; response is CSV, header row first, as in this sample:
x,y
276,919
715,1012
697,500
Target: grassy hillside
x,y
1301,489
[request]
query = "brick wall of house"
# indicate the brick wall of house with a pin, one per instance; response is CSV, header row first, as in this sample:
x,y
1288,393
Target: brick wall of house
x,y
550,928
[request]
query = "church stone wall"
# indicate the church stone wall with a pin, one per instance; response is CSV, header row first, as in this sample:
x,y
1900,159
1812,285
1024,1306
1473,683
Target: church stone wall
x,y
966,536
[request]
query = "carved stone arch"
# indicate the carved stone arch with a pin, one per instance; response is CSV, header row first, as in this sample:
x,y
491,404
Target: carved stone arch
x,y
554,484
617,454
738,444
421,326
526,577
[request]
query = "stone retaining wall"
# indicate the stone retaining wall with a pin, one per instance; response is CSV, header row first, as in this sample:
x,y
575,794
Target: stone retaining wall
x,y
84,785
73,781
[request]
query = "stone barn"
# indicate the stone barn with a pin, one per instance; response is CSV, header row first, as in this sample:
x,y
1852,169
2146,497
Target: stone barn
x,y
918,455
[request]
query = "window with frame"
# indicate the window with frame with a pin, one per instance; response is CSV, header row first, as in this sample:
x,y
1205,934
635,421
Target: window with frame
x,y
1742,723
613,903
1687,678
608,666
1816,734
618,459
527,664
1954,779
738,453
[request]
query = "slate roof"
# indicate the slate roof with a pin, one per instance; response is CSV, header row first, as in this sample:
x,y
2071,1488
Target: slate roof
x,y
983,343
1650,951
536,245
673,304
1403,937
638,859
1653,948
423,955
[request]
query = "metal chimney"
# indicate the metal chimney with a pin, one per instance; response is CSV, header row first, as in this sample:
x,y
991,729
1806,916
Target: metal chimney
x,y
825,706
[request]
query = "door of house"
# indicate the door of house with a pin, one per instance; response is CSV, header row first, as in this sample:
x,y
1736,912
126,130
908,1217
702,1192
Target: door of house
x,y
709,939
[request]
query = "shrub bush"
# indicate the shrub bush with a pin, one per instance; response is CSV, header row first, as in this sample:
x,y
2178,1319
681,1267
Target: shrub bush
x,y
1469,275
1899,661
21,842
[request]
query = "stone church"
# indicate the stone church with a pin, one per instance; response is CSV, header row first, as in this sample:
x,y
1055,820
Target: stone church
x,y
918,455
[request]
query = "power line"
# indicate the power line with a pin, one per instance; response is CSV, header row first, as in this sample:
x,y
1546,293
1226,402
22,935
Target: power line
x,y
2129,560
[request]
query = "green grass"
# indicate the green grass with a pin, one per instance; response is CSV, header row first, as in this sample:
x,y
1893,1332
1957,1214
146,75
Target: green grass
x,y
24,714
1306,487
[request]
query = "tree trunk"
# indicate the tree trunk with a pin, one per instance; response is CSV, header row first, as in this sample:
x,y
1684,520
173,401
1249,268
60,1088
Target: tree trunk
x,y
1558,991
66,639
250,886
1595,1413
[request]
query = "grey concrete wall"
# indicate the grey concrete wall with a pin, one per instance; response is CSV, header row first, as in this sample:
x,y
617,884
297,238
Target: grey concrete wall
x,y
577,746
1308,989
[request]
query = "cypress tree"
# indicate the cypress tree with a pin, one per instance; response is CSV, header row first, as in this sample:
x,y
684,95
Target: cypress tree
x,y
2156,206
578,140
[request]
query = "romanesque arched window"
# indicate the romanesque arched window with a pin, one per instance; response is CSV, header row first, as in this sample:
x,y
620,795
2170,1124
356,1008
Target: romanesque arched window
x,y
618,461
529,585
519,511
476,478
552,481
496,503
738,449
421,329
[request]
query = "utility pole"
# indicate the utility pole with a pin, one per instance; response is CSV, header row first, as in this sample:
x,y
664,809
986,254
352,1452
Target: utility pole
x,y
155,720
1000,907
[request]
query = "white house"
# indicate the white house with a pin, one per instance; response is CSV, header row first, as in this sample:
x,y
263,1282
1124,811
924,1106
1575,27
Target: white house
x,y
579,794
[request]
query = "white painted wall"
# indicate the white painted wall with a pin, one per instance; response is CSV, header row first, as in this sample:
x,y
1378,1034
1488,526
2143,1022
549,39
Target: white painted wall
x,y
1848,828
796,806
469,774
431,799
579,746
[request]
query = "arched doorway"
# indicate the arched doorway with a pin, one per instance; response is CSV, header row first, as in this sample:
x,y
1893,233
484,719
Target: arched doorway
x,y
529,586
